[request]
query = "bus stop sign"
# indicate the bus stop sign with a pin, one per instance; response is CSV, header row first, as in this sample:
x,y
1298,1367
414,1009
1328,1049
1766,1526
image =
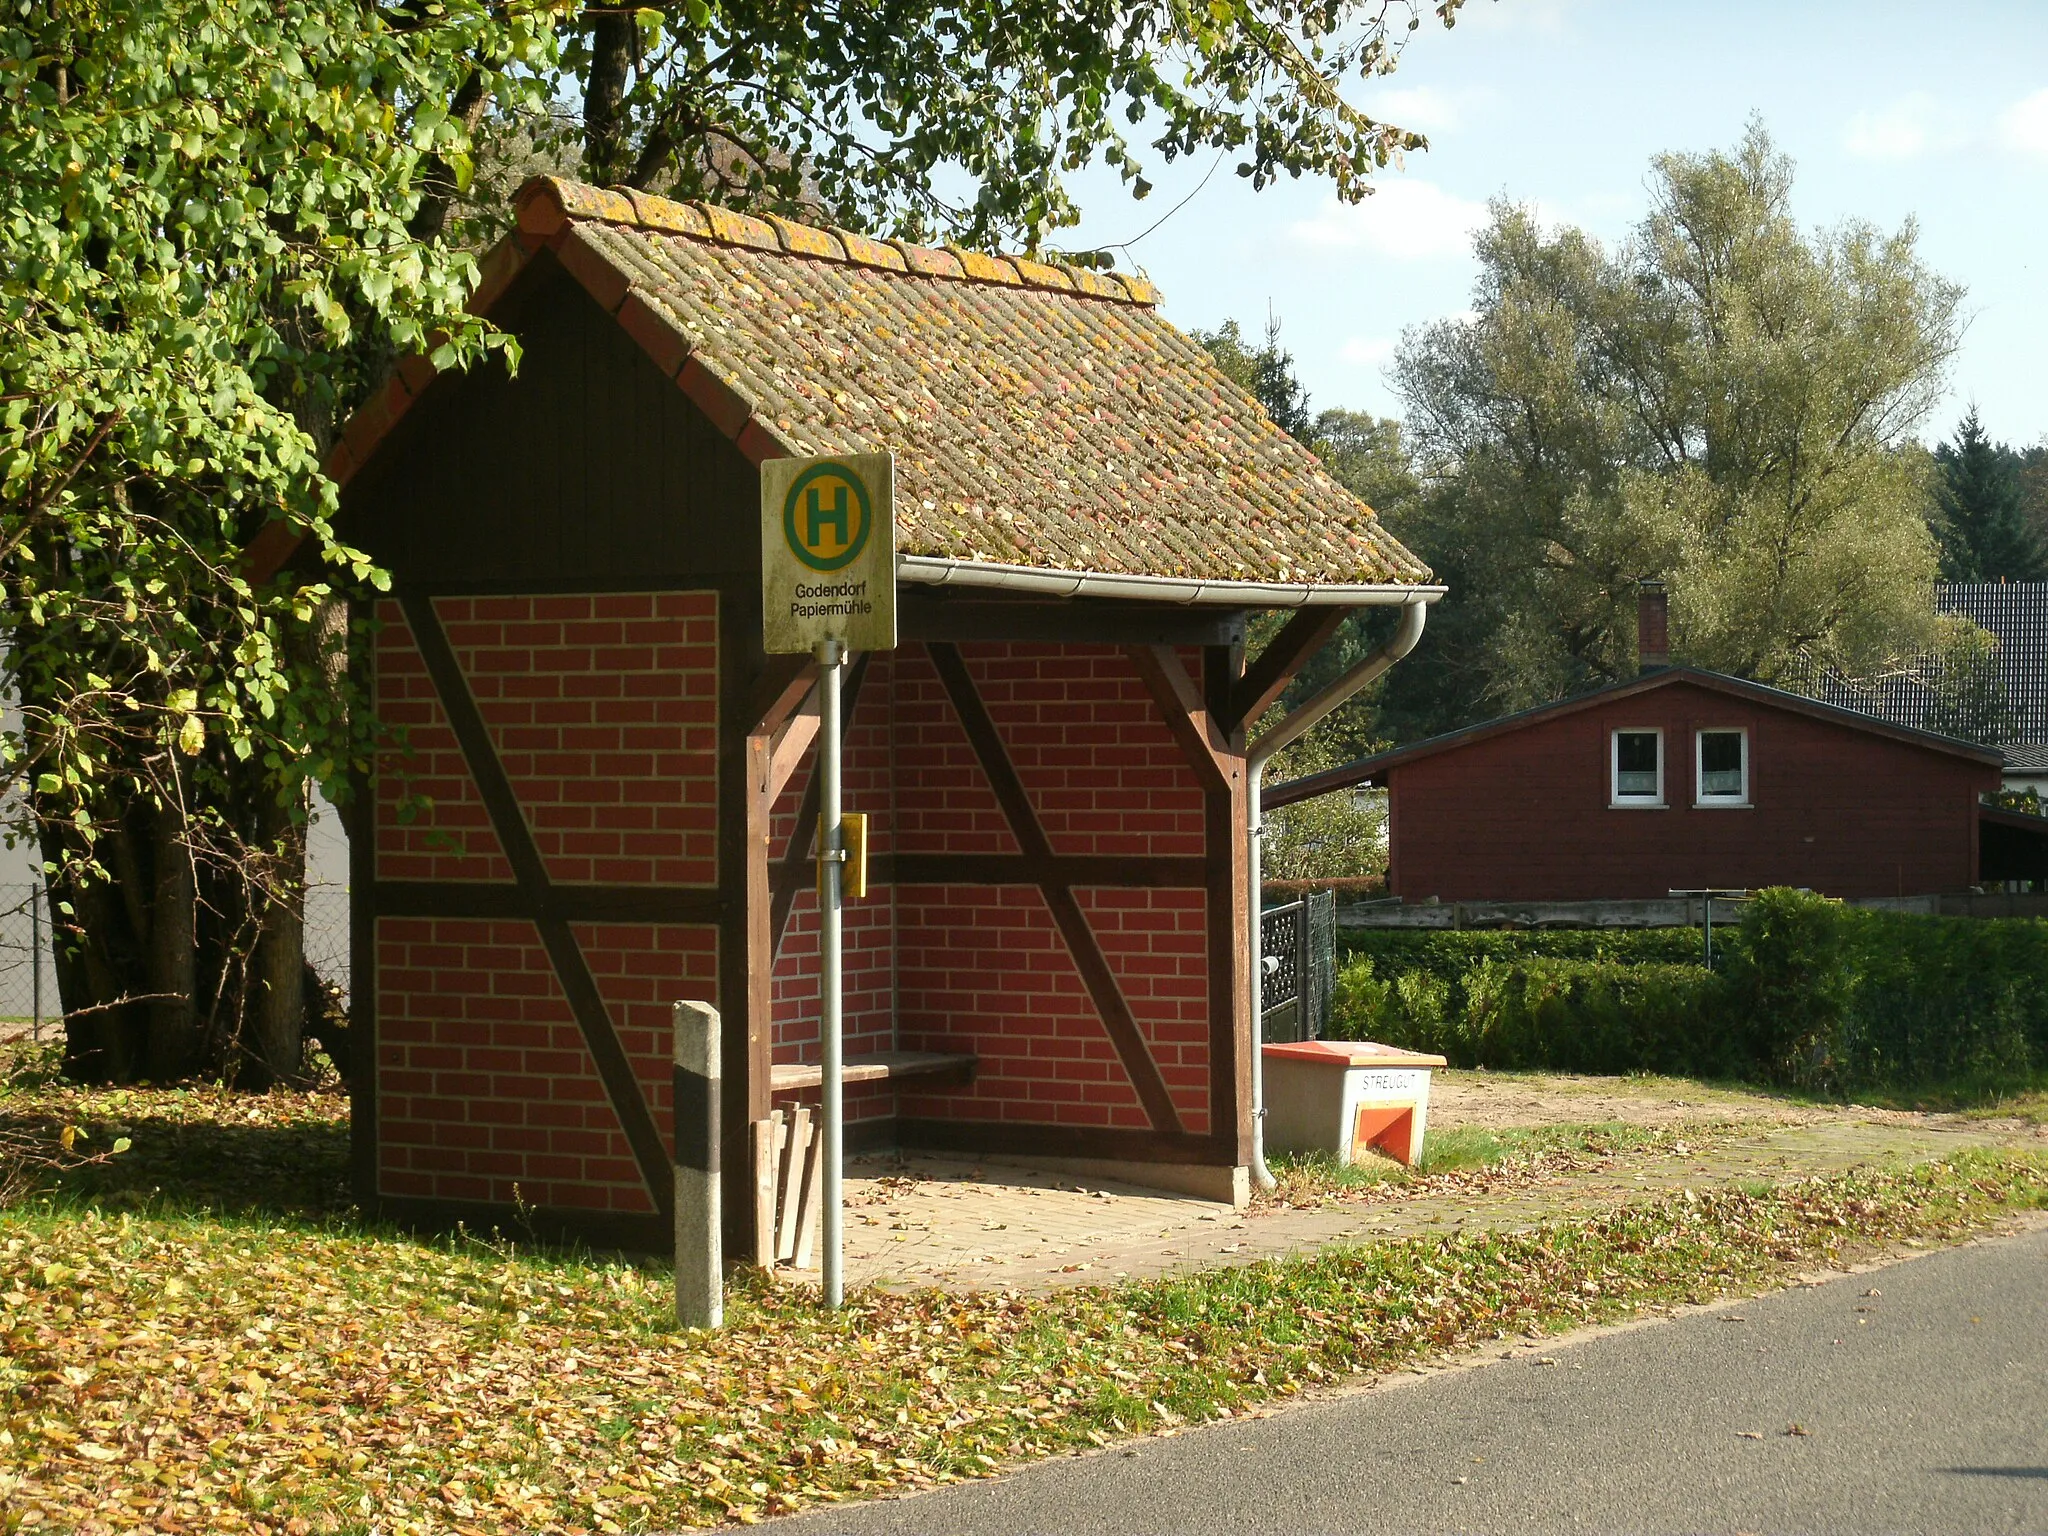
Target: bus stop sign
x,y
828,552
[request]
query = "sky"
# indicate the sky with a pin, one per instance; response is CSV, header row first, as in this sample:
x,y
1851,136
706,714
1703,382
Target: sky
x,y
1937,113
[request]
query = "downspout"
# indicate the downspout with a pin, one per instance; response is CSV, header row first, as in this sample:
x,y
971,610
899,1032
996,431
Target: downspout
x,y
1292,726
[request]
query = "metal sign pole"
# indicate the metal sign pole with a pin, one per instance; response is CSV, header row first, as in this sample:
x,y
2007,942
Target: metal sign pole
x,y
828,586
830,656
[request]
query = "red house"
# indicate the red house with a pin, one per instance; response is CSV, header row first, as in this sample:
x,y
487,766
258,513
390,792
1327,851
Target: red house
x,y
1676,780
600,797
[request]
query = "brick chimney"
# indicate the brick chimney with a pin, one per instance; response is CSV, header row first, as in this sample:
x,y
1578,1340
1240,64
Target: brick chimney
x,y
1653,627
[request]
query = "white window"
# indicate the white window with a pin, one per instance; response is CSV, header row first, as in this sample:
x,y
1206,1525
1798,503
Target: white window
x,y
1637,759
1723,767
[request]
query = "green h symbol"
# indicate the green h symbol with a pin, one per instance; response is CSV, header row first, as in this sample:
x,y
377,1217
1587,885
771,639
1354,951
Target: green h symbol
x,y
818,513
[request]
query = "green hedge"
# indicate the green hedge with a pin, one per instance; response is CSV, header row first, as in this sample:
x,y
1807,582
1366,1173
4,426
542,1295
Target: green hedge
x,y
1563,1014
1450,955
1809,994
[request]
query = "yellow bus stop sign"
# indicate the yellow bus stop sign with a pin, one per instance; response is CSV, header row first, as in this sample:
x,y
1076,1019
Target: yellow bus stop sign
x,y
828,552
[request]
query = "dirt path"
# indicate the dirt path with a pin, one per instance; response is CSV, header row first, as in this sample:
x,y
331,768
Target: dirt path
x,y
1503,1100
959,1225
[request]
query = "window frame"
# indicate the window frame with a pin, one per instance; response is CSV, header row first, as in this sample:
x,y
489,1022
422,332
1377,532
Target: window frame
x,y
1616,800
1700,798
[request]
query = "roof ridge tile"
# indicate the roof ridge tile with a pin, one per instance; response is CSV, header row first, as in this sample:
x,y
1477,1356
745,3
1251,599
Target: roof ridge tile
x,y
547,203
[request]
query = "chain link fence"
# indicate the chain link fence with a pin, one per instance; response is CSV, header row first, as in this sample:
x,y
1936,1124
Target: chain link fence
x,y
28,975
29,1006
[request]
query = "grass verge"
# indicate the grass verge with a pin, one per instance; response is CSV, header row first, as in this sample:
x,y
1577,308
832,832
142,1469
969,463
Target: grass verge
x,y
181,1372
1476,1159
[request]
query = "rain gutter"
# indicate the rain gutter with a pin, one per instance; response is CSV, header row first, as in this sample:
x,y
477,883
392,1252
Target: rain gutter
x,y
1291,728
933,571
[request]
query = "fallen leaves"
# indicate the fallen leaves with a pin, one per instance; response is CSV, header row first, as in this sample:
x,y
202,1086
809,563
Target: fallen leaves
x,y
183,1371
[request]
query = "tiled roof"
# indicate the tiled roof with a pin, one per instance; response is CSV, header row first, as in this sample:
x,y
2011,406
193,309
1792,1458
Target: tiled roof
x,y
1367,770
1042,415
2016,612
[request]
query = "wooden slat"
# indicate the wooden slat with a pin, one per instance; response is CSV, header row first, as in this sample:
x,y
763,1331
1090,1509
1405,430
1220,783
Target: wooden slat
x,y
767,1135
876,1067
792,1174
807,1208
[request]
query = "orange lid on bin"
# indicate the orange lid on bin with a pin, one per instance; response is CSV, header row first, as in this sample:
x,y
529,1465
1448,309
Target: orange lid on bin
x,y
1352,1053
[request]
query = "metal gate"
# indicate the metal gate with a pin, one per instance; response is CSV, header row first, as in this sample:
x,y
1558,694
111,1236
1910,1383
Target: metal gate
x,y
1298,961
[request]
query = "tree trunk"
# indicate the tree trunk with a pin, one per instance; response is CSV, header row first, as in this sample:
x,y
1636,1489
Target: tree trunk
x,y
104,1032
605,150
274,1048
174,1037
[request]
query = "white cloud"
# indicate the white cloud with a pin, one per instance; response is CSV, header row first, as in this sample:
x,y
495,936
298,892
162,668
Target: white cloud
x,y
1422,108
1368,351
2023,126
1905,129
1406,220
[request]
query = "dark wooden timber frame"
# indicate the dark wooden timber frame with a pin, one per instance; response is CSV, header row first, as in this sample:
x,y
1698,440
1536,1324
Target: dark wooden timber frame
x,y
535,900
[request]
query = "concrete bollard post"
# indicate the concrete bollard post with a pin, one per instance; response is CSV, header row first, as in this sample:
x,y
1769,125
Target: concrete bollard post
x,y
700,1291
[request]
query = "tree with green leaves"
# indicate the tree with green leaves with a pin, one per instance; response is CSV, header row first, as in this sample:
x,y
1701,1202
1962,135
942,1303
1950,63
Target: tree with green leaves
x,y
1970,699
210,254
222,220
1266,373
1364,454
1726,402
1981,503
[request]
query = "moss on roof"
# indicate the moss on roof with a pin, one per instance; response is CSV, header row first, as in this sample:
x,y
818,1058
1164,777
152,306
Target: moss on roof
x,y
1041,414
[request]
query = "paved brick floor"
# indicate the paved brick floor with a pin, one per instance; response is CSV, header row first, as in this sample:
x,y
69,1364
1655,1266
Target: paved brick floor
x,y
956,1224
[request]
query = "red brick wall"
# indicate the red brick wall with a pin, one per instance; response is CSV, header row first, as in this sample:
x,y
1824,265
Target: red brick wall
x,y
431,823
984,969
1524,815
603,710
484,1082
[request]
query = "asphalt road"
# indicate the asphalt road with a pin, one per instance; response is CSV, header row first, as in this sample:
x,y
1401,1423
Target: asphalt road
x,y
1924,1406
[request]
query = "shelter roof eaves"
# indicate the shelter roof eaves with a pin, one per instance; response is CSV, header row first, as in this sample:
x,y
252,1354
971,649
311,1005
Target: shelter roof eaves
x,y
1042,416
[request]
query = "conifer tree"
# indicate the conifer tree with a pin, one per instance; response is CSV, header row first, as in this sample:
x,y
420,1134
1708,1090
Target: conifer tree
x,y
1985,534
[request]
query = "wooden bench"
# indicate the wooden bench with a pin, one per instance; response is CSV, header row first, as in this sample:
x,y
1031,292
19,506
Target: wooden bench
x,y
878,1066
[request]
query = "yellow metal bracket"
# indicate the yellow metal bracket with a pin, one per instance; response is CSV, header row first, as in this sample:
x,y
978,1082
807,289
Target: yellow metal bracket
x,y
852,857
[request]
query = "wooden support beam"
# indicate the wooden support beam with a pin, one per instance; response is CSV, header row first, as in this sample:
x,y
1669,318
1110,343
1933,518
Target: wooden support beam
x,y
1231,908
1279,663
782,688
798,732
784,884
1185,712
